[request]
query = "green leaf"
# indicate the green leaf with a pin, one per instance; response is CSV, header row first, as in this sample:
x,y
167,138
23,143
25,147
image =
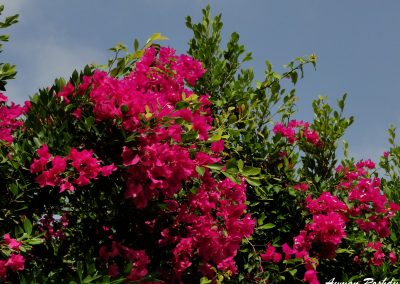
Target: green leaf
x,y
205,280
293,272
27,226
89,122
154,37
253,182
266,226
14,189
343,250
118,47
294,77
231,177
135,44
251,171
215,167
200,170
34,241
215,137
240,165
124,109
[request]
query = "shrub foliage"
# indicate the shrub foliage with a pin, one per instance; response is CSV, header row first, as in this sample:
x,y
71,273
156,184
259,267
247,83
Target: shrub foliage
x,y
166,168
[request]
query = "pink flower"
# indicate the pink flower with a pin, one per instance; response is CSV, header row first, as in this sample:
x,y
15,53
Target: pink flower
x,y
325,203
59,165
66,185
228,264
38,165
3,98
113,270
378,256
311,277
128,157
77,113
200,124
217,146
392,257
108,170
270,254
311,136
27,106
84,162
16,262
3,270
43,152
13,244
287,251
301,186
287,132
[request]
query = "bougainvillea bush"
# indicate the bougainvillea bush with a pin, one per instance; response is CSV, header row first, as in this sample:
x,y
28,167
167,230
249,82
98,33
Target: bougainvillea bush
x,y
166,168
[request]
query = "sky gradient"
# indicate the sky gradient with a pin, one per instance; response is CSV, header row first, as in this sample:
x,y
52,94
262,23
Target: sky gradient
x,y
357,44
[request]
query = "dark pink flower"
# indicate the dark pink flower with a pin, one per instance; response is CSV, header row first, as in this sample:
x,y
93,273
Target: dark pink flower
x,y
217,146
113,270
287,251
3,98
16,262
303,186
13,244
392,257
108,170
128,157
311,277
311,136
3,270
77,113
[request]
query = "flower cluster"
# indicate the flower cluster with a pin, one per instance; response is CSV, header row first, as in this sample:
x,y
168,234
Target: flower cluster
x,y
302,186
168,121
53,171
214,223
366,207
151,91
271,254
8,119
370,208
157,169
137,258
15,262
296,130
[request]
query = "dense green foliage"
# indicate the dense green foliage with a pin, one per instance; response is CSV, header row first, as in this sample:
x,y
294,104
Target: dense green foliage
x,y
150,171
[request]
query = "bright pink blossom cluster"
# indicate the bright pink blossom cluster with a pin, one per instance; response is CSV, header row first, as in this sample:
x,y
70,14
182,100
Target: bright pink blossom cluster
x,y
296,130
367,207
370,207
15,262
156,169
215,223
211,221
271,254
374,252
138,258
8,119
318,239
151,91
53,170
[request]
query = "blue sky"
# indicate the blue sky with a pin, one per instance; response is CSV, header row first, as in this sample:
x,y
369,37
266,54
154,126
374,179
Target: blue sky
x,y
357,44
